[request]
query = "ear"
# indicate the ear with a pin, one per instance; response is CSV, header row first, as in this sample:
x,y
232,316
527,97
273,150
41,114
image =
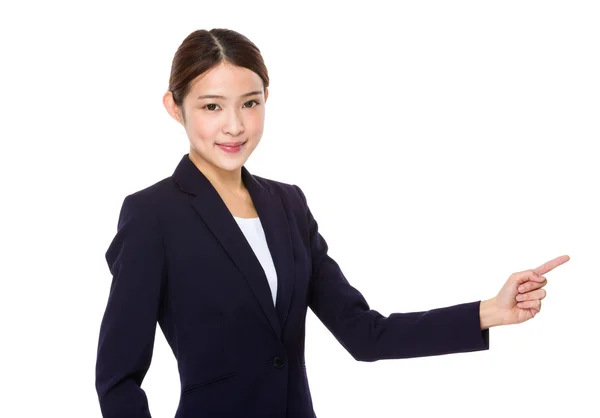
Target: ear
x,y
172,107
266,94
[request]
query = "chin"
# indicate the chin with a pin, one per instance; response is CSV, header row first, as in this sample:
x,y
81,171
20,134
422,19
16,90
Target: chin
x,y
230,165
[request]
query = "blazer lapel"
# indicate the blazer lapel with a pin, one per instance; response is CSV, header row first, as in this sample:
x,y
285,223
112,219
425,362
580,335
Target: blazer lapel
x,y
279,239
213,211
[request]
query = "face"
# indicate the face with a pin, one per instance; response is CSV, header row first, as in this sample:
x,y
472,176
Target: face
x,y
237,116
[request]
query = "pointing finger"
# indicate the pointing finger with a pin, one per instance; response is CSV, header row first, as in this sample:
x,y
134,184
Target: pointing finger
x,y
552,264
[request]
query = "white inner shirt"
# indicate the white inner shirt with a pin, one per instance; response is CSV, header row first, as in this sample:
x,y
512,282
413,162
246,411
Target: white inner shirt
x,y
254,233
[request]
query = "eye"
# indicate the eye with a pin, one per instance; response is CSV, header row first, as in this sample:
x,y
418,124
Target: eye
x,y
254,102
210,104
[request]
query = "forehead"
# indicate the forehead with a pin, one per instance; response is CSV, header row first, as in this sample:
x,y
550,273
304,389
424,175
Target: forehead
x,y
227,80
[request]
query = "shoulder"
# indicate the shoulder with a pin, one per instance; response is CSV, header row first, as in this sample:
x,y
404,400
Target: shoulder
x,y
282,189
149,199
152,194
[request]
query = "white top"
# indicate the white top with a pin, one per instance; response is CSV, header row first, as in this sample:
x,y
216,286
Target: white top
x,y
255,235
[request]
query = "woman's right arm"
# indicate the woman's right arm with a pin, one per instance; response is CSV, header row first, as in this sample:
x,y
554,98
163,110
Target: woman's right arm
x,y
136,260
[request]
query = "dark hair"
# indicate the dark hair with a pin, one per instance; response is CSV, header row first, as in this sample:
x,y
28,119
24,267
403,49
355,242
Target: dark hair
x,y
202,50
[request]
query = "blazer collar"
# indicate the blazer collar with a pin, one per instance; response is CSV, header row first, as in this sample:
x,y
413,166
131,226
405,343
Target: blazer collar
x,y
207,202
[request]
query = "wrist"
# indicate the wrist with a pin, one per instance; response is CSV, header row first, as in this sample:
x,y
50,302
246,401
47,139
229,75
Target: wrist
x,y
489,314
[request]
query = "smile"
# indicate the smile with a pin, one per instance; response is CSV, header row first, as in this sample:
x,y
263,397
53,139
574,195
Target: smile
x,y
231,149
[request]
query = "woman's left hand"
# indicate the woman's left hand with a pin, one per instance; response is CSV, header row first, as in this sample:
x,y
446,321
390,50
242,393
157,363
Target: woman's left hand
x,y
520,299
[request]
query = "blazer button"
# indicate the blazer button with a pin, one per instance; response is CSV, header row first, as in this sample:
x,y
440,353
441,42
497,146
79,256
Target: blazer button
x,y
278,362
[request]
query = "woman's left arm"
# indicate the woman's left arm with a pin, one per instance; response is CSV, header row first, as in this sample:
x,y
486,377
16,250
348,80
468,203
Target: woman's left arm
x,y
370,336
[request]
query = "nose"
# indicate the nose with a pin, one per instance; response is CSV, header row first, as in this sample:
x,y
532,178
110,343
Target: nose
x,y
234,125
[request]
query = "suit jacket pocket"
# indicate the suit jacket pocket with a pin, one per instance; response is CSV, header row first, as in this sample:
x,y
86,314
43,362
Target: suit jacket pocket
x,y
209,382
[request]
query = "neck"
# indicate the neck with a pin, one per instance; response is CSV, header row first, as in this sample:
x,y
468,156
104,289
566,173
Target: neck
x,y
222,180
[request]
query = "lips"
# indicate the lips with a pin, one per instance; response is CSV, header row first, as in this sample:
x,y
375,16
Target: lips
x,y
232,144
231,149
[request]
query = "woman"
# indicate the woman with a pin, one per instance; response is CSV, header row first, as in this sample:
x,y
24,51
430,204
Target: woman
x,y
228,263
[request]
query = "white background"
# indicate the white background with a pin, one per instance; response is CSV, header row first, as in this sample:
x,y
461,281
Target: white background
x,y
462,136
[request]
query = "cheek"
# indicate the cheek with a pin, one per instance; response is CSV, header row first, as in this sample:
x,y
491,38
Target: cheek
x,y
203,129
255,125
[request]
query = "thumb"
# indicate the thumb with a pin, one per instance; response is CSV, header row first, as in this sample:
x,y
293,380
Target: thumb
x,y
525,276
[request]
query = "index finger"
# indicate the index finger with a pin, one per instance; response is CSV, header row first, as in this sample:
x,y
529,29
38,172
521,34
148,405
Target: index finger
x,y
550,265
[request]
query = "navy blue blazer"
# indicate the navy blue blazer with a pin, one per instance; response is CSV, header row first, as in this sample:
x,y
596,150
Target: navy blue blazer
x,y
179,259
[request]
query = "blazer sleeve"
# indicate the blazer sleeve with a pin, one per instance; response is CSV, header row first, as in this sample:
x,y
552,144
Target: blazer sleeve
x,y
369,336
136,260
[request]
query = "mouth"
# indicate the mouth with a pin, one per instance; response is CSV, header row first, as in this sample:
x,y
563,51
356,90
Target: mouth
x,y
231,147
232,144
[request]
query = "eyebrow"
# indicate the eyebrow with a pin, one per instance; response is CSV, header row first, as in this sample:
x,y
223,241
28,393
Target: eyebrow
x,y
214,96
